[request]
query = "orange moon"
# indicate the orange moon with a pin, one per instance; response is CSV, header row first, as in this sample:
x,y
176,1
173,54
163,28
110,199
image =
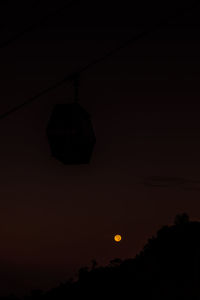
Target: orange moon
x,y
117,238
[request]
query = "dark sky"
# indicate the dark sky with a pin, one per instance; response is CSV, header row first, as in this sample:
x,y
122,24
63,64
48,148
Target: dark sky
x,y
144,103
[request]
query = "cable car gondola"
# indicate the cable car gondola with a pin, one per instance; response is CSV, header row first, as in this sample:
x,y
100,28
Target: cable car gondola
x,y
70,133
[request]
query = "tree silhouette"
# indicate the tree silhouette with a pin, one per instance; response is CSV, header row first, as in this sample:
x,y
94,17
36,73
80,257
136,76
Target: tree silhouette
x,y
181,219
94,264
166,268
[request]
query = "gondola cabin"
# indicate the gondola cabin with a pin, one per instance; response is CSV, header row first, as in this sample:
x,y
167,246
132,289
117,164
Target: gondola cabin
x,y
70,134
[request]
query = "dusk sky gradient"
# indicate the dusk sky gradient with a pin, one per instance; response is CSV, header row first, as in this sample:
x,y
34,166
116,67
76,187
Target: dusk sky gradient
x,y
144,105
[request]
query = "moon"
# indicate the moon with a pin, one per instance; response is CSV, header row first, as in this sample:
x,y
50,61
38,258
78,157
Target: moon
x,y
117,238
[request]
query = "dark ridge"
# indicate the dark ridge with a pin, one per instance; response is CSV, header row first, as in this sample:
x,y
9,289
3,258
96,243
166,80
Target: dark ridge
x,y
168,267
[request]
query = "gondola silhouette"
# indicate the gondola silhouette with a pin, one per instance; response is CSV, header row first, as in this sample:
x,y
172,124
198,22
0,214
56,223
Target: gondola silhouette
x,y
70,132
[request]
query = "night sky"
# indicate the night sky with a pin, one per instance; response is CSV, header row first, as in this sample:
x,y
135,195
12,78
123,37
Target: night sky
x,y
144,104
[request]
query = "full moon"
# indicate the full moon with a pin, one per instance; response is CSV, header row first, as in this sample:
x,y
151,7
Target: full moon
x,y
117,238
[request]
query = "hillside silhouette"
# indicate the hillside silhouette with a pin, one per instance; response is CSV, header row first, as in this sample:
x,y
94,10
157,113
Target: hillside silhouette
x,y
168,267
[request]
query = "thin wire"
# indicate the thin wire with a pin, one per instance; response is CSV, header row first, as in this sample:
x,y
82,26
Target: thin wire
x,y
69,78
33,27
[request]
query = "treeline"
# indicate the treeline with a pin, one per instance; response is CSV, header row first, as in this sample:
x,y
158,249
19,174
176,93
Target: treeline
x,y
167,268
